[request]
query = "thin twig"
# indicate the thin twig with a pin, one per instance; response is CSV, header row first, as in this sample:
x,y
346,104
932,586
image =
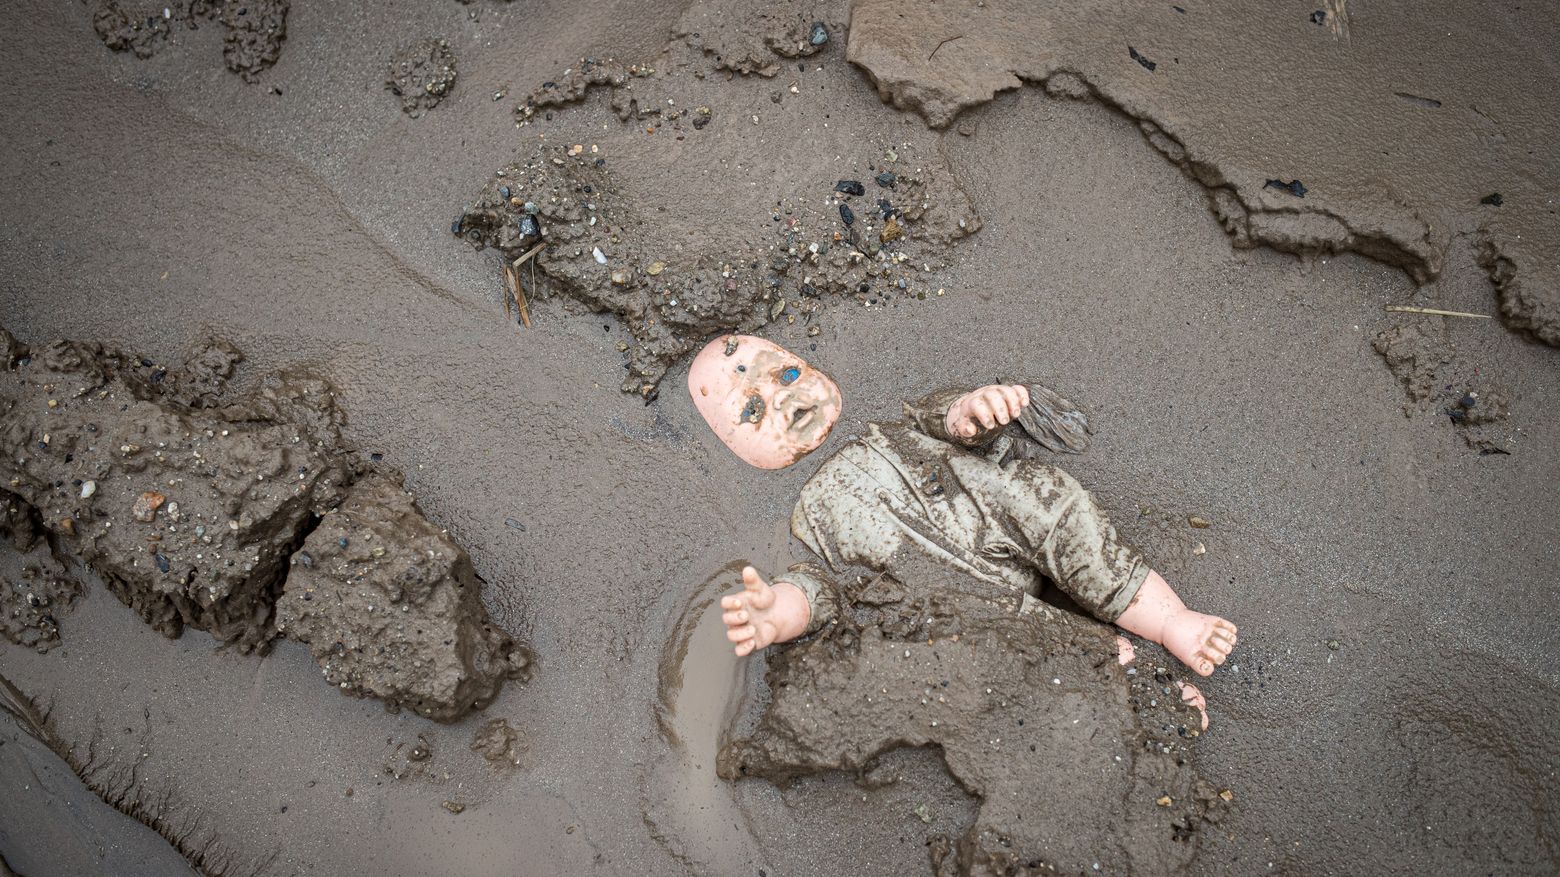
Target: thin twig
x,y
528,254
943,43
1408,309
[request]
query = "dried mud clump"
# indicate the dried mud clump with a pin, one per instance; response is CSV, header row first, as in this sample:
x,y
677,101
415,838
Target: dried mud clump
x,y
188,514
193,508
1073,761
756,38
500,744
868,243
421,75
253,29
392,608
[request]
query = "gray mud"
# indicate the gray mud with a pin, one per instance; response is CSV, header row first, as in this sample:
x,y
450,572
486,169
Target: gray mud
x,y
1391,707
1076,764
193,515
35,594
253,30
421,74
1395,159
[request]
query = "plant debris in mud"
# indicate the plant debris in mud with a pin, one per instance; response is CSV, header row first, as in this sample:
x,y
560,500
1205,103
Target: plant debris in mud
x,y
208,516
1075,760
565,200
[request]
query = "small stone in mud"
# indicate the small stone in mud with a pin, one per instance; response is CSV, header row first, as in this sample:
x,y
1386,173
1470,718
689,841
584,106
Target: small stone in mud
x,y
850,187
655,268
455,807
886,179
1493,199
1138,57
891,230
145,507
620,278
847,216
1319,16
701,117
818,35
1293,187
421,74
1198,522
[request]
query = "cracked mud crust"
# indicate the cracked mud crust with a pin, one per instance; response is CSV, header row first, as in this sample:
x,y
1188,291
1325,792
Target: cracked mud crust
x,y
1073,761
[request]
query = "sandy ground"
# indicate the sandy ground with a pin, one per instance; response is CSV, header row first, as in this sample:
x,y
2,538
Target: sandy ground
x,y
1391,707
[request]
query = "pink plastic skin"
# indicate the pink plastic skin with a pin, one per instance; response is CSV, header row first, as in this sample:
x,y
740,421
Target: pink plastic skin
x,y
764,402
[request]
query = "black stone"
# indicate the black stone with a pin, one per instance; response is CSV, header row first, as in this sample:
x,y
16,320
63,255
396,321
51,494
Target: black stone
x,y
885,208
528,226
1293,187
886,179
455,226
503,192
162,562
1147,64
819,34
1492,200
850,187
846,215
1319,16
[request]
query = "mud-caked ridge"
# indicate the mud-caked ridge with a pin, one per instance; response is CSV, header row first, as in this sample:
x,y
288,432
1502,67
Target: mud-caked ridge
x,y
253,30
1074,761
875,238
193,508
1304,191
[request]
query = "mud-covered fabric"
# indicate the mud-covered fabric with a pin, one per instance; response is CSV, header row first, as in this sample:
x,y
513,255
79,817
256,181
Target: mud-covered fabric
x,y
901,501
822,596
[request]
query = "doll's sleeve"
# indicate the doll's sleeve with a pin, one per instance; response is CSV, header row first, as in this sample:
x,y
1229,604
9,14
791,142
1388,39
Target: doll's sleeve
x,y
822,592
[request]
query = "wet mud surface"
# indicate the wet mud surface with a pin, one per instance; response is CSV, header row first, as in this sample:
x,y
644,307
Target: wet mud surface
x,y
1397,170
1392,704
1075,763
193,507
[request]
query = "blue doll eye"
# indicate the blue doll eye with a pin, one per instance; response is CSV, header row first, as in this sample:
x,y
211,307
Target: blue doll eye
x,y
790,375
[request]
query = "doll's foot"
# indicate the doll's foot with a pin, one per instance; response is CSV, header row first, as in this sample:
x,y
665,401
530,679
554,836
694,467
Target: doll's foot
x,y
1192,697
1202,642
762,614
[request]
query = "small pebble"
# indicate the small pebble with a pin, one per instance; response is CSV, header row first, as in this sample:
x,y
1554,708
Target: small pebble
x,y
819,34
88,488
601,258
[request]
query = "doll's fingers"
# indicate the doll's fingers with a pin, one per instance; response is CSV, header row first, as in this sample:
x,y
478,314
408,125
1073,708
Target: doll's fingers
x,y
1017,398
732,619
740,634
980,409
731,601
745,647
751,580
998,401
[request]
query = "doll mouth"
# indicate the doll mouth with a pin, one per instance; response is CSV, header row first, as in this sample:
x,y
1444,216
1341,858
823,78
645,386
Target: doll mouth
x,y
801,416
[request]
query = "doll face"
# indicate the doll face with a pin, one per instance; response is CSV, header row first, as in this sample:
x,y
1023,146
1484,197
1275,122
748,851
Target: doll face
x,y
765,402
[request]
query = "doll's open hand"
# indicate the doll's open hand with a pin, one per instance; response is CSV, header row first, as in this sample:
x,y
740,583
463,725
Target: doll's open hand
x,y
986,408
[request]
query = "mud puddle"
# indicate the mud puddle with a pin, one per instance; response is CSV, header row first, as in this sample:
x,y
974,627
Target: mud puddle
x,y
703,691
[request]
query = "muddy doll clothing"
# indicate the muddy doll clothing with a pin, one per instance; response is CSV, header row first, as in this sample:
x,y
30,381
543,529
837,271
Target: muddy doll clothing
x,y
913,501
